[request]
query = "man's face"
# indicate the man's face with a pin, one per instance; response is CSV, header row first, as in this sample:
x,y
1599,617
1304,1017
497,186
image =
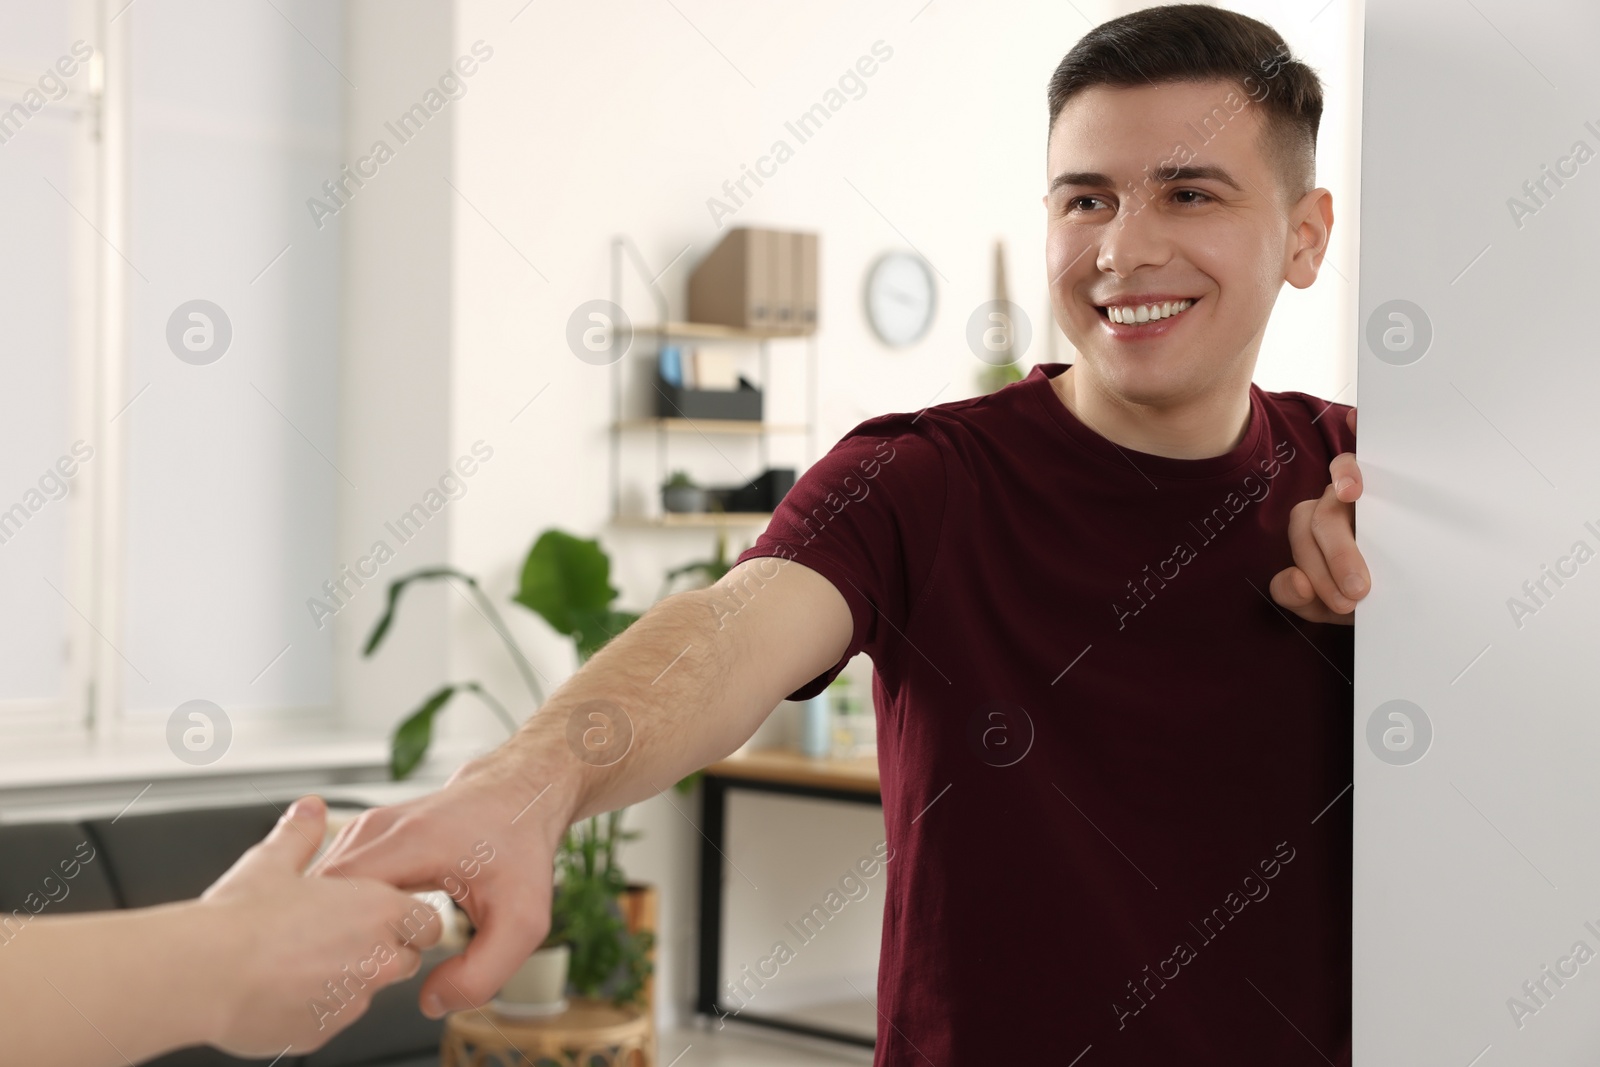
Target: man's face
x,y
1132,221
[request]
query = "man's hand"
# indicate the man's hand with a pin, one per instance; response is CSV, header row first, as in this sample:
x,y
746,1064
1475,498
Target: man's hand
x,y
1328,575
488,838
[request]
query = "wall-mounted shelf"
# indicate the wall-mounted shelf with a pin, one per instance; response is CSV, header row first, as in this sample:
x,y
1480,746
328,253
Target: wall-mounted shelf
x,y
663,330
708,331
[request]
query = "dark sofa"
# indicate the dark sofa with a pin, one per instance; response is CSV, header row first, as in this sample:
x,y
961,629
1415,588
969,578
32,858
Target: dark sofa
x,y
141,860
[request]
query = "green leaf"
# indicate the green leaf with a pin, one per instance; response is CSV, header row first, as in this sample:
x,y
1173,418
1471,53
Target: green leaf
x,y
688,783
567,581
396,587
415,733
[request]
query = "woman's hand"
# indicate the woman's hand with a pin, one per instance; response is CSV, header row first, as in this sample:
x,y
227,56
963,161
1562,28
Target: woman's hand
x,y
300,957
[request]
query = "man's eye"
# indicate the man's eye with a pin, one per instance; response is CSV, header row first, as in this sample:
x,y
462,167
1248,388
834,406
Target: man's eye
x,y
1192,192
1072,205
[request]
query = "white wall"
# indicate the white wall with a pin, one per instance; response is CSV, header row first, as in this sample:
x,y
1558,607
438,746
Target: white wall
x,y
623,118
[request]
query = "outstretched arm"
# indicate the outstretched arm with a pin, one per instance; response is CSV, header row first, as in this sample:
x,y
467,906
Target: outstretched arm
x,y
682,687
246,967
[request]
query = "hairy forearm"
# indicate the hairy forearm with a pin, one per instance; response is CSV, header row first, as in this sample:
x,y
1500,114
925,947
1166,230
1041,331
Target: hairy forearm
x,y
672,693
108,988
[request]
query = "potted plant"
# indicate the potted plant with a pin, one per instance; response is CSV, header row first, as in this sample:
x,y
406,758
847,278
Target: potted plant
x,y
607,959
566,581
539,985
680,493
592,947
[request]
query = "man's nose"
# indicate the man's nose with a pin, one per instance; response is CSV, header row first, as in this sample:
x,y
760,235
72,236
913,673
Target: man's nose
x,y
1135,238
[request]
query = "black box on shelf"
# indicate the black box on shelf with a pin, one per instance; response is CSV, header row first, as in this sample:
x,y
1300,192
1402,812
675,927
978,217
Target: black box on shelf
x,y
676,402
760,494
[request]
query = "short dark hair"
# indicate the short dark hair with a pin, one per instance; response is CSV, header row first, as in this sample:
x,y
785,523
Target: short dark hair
x,y
1196,42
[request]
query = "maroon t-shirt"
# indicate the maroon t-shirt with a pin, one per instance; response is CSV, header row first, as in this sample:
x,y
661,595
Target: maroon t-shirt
x,y
1113,769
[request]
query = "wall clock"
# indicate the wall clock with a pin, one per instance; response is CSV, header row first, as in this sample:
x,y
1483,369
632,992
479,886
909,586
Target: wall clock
x,y
900,298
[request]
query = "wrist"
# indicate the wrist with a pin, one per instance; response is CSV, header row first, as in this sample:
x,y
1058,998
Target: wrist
x,y
534,777
196,954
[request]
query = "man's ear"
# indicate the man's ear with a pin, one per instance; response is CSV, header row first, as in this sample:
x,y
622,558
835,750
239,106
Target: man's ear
x,y
1311,222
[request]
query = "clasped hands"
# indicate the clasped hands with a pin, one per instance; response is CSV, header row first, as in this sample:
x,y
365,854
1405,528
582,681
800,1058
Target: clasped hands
x,y
314,941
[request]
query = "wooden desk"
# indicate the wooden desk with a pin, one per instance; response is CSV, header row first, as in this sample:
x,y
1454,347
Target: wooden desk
x,y
785,766
780,771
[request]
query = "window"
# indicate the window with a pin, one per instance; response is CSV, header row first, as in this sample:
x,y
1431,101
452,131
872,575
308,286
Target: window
x,y
169,306
48,179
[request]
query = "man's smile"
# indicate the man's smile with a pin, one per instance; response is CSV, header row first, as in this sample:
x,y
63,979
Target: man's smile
x,y
1144,316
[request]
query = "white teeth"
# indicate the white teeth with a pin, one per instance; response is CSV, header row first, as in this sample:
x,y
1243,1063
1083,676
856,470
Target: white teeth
x,y
1148,312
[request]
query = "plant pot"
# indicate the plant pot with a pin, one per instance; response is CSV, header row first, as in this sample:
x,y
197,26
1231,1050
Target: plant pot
x,y
536,987
683,498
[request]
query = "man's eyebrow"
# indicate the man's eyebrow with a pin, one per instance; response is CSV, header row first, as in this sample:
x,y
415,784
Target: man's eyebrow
x,y
1161,172
1080,177
1200,173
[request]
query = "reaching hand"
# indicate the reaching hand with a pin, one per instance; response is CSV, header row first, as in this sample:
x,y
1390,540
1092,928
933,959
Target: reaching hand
x,y
1329,574
488,838
305,954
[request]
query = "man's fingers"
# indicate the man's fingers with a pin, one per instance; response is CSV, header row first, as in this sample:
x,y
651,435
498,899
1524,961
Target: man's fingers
x,y
356,838
1329,574
1345,475
1292,589
342,837
1309,556
401,856
380,844
506,936
1333,526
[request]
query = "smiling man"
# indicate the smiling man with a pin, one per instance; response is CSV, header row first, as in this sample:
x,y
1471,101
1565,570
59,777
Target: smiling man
x,y
1103,606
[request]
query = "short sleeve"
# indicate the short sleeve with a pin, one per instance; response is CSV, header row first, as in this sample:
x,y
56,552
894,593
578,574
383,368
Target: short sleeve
x,y
867,516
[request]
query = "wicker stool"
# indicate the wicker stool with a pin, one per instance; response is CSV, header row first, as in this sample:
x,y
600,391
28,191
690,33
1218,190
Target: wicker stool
x,y
589,1030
